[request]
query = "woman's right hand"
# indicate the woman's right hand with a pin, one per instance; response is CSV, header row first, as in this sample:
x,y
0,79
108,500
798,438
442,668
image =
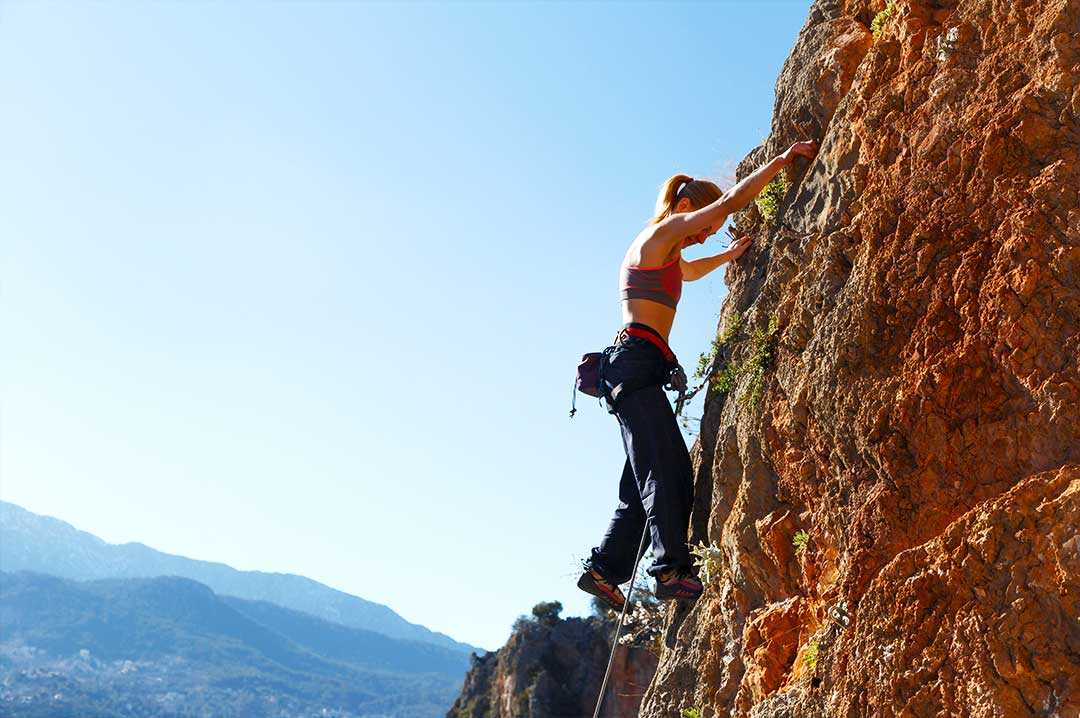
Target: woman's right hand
x,y
807,148
739,246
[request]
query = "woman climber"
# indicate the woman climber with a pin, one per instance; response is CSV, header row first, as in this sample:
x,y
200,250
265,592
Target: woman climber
x,y
657,479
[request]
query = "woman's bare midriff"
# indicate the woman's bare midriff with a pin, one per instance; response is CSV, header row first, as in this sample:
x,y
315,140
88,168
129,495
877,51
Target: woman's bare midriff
x,y
654,314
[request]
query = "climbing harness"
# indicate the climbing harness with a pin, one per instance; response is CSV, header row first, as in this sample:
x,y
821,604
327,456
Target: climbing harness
x,y
589,378
618,629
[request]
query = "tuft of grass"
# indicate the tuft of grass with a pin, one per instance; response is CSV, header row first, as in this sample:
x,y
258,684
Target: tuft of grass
x,y
799,540
732,327
768,200
878,23
811,655
690,713
756,365
759,361
706,359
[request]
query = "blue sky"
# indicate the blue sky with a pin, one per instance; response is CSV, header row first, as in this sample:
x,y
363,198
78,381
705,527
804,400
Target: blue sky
x,y
301,287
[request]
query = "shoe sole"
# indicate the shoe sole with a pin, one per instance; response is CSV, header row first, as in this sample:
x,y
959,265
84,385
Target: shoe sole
x,y
667,594
589,585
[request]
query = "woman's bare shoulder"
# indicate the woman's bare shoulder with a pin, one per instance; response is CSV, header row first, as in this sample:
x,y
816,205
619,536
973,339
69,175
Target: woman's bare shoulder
x,y
647,249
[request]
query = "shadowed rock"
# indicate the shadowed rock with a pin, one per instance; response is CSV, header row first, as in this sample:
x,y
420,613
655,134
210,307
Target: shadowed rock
x,y
553,669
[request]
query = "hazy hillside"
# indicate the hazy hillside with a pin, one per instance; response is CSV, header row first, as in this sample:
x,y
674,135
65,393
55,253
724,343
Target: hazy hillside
x,y
32,542
170,646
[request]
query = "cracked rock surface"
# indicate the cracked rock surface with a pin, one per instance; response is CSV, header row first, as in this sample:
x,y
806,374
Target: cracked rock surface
x,y
919,412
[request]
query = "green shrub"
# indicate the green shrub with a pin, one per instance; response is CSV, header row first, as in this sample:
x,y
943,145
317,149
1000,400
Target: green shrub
x,y
732,327
768,200
799,540
756,365
706,359
521,702
759,361
881,18
690,713
725,380
811,655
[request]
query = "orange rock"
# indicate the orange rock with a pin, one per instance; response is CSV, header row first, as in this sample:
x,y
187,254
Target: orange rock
x,y
920,415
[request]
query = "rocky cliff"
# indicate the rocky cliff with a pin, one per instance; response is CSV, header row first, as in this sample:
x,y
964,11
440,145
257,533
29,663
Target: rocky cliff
x,y
887,462
553,669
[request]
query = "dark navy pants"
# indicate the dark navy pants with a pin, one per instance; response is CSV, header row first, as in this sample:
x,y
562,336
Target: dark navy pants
x,y
657,480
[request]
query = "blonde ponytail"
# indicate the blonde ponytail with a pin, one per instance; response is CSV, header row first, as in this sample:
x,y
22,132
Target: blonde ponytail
x,y
699,192
665,203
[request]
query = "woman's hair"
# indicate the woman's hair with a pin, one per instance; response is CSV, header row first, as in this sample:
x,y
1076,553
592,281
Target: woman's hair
x,y
700,193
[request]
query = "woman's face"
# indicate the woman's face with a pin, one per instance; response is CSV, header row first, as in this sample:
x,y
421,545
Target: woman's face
x,y
697,238
683,205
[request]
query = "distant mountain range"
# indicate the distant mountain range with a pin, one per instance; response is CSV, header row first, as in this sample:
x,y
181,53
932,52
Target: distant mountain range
x,y
169,646
47,545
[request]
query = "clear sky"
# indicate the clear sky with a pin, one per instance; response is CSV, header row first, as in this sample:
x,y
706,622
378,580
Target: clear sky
x,y
301,287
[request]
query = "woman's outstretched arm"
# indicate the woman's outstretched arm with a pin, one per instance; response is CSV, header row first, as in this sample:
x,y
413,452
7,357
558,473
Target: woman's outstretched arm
x,y
712,216
741,194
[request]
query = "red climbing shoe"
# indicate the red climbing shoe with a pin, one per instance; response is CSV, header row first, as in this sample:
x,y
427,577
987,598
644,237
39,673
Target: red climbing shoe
x,y
678,585
594,582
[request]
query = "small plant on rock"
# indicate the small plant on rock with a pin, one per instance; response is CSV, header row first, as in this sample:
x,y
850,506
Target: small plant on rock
x,y
758,362
709,560
644,627
946,44
881,18
725,379
799,540
756,365
732,327
811,655
644,623
768,200
706,359
708,372
690,713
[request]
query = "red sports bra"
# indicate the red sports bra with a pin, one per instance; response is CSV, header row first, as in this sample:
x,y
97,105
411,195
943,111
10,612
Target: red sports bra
x,y
662,283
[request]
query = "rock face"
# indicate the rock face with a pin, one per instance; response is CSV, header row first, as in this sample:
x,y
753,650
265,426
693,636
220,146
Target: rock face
x,y
918,405
553,669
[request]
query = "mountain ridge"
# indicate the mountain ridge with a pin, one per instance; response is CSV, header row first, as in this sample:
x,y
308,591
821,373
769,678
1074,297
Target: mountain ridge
x,y
46,544
127,644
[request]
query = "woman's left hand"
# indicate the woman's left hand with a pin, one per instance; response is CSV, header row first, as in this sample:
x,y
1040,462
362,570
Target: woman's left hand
x,y
806,148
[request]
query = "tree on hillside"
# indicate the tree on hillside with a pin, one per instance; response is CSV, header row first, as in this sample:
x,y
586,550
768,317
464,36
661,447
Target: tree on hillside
x,y
547,612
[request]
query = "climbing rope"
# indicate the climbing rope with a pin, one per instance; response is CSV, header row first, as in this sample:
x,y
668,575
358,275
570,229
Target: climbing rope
x,y
618,629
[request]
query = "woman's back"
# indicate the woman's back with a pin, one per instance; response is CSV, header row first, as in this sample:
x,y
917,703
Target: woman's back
x,y
650,289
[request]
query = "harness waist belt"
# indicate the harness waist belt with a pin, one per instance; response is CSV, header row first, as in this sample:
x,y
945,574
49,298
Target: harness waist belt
x,y
644,331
